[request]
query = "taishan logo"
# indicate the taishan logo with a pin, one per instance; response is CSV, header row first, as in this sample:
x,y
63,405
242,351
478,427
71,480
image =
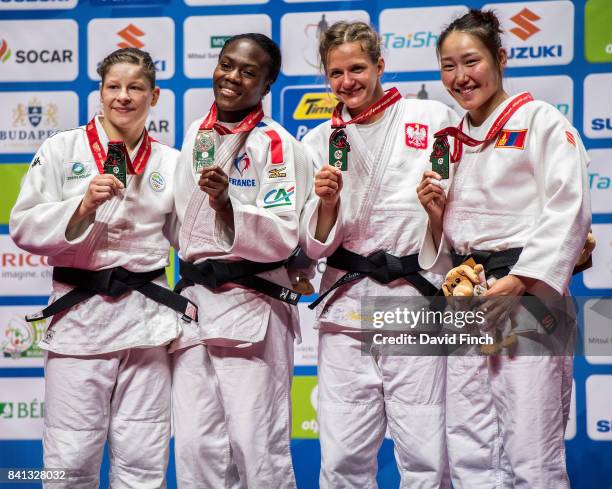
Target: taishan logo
x,y
315,106
524,19
5,52
130,35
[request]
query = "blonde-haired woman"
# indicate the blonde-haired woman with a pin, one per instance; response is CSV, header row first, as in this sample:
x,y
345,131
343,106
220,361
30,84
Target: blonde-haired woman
x,y
364,205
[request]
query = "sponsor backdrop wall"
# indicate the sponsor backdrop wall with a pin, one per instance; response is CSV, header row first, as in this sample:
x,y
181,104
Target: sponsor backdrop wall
x,y
560,50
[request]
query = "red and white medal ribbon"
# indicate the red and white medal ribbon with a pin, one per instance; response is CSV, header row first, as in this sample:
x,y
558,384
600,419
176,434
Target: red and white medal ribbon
x,y
461,138
246,125
135,167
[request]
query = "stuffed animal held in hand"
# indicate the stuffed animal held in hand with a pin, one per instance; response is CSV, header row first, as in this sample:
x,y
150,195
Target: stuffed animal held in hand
x,y
463,280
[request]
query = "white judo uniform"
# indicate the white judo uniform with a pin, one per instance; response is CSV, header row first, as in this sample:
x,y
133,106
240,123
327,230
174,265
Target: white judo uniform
x,y
107,372
361,396
232,370
531,193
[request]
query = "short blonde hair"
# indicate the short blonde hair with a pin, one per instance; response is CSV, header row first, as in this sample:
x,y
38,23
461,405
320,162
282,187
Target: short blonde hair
x,y
345,32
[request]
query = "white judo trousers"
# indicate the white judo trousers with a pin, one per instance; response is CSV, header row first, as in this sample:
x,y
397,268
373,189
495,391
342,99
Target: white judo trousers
x,y
506,420
360,396
123,396
232,412
488,401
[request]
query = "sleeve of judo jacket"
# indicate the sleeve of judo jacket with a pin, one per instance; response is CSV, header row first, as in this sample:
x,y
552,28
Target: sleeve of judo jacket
x,y
39,220
560,231
316,145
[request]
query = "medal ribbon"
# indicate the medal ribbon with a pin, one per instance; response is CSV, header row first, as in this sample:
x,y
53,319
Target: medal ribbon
x,y
246,125
338,142
461,138
390,97
97,150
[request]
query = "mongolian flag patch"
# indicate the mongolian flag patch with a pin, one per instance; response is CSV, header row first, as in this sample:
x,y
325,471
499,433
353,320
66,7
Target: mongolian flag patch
x,y
512,139
570,138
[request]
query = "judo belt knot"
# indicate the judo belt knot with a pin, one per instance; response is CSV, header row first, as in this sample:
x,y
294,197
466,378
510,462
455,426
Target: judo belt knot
x,y
380,266
113,282
212,274
385,267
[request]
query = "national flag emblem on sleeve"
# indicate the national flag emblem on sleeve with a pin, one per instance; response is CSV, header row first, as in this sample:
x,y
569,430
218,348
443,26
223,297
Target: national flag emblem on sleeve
x,y
512,139
570,138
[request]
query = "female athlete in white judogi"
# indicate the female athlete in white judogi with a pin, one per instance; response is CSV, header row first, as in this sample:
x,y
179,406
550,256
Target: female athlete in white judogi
x,y
520,184
107,370
354,213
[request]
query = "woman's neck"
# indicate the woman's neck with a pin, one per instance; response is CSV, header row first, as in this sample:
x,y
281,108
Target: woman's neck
x,y
376,96
480,114
130,138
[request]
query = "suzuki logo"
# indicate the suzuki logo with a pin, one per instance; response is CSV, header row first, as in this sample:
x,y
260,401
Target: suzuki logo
x,y
525,28
5,52
131,34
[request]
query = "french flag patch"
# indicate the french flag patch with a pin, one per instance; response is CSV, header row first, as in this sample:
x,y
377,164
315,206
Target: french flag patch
x,y
512,139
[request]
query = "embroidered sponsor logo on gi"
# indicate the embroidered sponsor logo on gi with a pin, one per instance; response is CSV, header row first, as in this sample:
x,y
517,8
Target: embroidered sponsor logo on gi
x,y
277,172
279,197
157,181
570,138
416,135
242,182
78,171
512,139
242,163
36,162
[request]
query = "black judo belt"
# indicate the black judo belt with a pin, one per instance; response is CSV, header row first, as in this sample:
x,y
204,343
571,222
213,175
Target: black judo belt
x,y
380,266
498,264
212,274
113,282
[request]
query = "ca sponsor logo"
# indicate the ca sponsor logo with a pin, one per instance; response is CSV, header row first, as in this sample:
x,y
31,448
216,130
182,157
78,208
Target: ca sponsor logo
x,y
279,197
315,105
130,36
